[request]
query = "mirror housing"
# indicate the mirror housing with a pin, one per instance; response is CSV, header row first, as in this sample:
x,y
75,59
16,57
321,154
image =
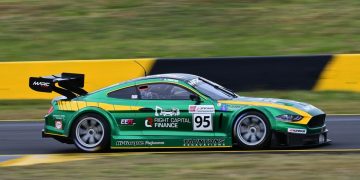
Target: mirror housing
x,y
195,98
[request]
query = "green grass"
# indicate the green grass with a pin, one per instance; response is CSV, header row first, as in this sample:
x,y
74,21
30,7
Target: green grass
x,y
330,102
23,109
67,29
198,166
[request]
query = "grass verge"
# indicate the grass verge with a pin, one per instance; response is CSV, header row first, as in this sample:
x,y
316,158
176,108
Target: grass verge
x,y
67,29
23,109
198,166
330,102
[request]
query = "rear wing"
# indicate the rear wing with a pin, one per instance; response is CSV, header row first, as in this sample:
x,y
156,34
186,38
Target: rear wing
x,y
68,84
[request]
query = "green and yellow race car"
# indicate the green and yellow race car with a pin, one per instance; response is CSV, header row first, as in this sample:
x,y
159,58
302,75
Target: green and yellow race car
x,y
173,110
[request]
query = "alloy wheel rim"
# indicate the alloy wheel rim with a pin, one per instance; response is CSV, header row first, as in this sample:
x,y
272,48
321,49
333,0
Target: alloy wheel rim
x,y
251,130
89,132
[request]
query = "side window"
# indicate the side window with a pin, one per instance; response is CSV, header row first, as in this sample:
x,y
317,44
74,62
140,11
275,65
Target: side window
x,y
126,93
163,91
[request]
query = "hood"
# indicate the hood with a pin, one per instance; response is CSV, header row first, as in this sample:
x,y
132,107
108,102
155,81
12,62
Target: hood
x,y
276,103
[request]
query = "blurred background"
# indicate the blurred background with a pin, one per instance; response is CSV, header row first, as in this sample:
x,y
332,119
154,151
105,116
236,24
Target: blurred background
x,y
33,30
105,29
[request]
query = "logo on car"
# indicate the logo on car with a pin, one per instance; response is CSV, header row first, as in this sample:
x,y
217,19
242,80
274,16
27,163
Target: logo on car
x,y
169,112
45,84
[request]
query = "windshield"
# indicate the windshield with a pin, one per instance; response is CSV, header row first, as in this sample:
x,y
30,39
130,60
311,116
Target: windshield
x,y
212,89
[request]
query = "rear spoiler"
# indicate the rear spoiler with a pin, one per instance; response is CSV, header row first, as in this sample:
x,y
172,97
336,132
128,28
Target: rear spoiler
x,y
69,85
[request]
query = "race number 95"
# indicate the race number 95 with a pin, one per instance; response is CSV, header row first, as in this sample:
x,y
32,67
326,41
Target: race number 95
x,y
202,122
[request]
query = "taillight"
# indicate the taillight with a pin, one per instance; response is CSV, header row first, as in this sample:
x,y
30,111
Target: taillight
x,y
51,110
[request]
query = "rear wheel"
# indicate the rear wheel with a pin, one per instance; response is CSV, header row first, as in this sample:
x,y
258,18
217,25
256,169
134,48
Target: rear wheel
x,y
91,133
252,130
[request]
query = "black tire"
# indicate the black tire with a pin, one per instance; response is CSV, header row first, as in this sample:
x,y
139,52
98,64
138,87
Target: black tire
x,y
251,136
91,133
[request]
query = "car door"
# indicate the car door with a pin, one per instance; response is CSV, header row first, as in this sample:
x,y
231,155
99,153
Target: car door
x,y
167,110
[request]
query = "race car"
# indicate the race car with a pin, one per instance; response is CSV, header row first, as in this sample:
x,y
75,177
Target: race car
x,y
173,111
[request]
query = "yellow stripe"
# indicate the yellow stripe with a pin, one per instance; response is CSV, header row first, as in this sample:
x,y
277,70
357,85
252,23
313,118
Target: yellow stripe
x,y
306,115
77,105
81,104
94,104
123,108
136,108
68,106
74,106
64,106
108,107
43,159
61,105
341,74
98,74
54,134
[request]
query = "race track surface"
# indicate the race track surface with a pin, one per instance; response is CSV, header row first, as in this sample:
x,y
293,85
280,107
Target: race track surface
x,y
25,137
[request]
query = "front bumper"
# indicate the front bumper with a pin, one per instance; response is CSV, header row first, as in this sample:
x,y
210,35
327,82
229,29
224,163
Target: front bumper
x,y
281,139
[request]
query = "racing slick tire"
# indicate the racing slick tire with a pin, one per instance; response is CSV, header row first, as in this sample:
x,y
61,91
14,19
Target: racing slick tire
x,y
91,133
252,131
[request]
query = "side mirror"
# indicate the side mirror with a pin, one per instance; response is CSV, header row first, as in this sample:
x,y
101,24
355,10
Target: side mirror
x,y
195,98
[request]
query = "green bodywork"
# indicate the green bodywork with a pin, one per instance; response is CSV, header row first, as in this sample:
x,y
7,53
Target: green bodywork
x,y
176,131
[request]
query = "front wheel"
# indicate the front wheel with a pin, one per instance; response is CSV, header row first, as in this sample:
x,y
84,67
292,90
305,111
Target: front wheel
x,y
91,133
252,131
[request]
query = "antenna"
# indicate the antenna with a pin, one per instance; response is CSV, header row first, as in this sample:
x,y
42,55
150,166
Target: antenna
x,y
141,66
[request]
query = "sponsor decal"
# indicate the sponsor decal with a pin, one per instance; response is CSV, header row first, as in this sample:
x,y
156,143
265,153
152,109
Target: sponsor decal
x,y
58,124
139,143
201,109
149,122
165,122
204,142
134,96
193,82
169,112
130,143
129,122
229,107
150,143
296,131
166,118
202,117
43,84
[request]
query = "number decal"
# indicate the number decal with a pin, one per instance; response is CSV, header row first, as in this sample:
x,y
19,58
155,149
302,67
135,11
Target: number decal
x,y
198,121
202,122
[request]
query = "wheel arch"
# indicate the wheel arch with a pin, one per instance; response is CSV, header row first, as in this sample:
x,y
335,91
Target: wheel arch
x,y
91,110
239,112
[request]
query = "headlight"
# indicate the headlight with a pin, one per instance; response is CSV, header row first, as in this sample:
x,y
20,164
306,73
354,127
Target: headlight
x,y
289,117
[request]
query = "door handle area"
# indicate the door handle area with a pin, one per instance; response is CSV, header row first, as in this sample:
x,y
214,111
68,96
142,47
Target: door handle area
x,y
145,109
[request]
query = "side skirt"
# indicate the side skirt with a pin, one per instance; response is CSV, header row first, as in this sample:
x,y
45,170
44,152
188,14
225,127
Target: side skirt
x,y
121,142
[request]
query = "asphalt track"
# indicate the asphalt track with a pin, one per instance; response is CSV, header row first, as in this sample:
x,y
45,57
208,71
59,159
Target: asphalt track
x,y
24,137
